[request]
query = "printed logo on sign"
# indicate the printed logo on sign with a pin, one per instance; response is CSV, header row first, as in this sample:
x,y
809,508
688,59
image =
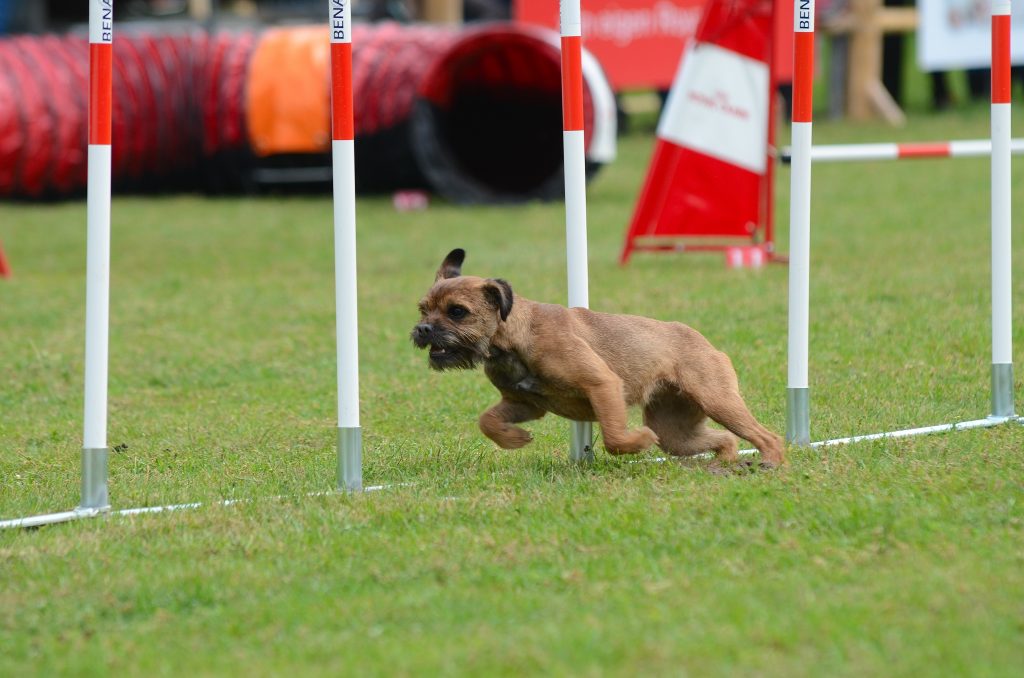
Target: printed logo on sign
x,y
108,20
719,101
719,107
101,22
805,16
338,27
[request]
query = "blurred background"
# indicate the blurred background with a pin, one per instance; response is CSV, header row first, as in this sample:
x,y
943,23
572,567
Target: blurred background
x,y
231,96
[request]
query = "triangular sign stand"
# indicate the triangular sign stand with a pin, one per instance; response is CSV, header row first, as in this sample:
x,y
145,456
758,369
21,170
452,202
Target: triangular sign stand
x,y
709,183
5,268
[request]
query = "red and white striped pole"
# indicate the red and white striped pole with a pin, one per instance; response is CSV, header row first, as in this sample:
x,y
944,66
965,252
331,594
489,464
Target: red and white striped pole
x,y
575,188
97,283
797,397
1002,353
350,451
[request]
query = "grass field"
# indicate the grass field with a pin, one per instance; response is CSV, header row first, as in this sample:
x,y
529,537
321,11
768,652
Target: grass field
x,y
900,558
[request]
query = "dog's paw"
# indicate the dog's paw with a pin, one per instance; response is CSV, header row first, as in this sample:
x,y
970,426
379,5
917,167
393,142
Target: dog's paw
x,y
633,442
646,438
514,437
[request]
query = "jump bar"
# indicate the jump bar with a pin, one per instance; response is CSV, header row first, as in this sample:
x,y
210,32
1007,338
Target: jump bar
x,y
967,148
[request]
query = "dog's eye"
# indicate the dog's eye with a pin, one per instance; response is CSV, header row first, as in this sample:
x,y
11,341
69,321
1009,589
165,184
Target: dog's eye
x,y
457,313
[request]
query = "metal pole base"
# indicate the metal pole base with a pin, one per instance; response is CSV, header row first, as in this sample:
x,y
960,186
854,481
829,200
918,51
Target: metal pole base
x,y
798,417
1002,390
350,459
94,479
581,442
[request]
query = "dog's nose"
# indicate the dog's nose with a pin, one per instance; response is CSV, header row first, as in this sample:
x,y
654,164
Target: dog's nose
x,y
423,330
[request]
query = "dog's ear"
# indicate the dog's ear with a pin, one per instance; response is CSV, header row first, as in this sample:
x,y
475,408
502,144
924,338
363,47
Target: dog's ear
x,y
451,267
499,293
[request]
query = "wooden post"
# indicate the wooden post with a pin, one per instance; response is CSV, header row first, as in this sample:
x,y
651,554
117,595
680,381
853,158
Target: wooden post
x,y
200,10
441,11
865,24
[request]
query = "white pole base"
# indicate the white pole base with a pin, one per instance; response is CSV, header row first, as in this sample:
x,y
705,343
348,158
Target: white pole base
x,y
350,459
94,479
581,442
798,416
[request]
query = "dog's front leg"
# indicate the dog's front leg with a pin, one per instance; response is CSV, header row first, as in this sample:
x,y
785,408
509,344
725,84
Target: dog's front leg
x,y
610,407
586,370
498,423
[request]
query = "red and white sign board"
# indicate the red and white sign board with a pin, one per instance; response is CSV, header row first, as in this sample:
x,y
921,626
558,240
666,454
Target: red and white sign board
x,y
709,182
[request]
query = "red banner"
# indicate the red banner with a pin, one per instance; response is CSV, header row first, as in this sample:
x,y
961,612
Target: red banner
x,y
640,42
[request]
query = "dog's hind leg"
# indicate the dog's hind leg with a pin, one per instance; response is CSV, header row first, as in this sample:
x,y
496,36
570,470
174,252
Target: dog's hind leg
x,y
720,399
498,423
682,428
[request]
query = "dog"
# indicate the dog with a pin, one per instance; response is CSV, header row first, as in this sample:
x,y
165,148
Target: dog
x,y
587,366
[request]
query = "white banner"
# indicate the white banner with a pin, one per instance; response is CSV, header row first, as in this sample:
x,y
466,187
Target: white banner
x,y
718,106
954,34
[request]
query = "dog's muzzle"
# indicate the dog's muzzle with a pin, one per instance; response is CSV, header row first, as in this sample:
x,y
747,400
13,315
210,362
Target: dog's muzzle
x,y
424,335
445,351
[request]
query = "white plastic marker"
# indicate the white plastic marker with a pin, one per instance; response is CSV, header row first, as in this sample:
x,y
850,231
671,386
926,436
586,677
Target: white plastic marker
x,y
581,442
97,284
350,449
1002,351
797,399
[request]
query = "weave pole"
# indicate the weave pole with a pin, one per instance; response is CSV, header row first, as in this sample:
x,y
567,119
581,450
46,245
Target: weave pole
x,y
582,435
350,447
798,416
97,282
1002,353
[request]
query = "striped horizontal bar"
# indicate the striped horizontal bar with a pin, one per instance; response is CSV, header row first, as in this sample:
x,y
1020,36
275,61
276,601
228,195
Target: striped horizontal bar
x,y
967,148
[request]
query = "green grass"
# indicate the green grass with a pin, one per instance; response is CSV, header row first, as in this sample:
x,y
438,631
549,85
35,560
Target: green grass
x,y
892,558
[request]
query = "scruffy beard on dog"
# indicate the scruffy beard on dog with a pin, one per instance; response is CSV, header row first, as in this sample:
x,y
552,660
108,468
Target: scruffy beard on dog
x,y
587,366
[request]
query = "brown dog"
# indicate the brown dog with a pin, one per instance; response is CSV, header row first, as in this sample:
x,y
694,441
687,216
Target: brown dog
x,y
587,366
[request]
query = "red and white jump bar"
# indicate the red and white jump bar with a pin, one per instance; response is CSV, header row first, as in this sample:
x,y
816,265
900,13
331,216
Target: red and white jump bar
x,y
97,284
575,186
350,473
967,148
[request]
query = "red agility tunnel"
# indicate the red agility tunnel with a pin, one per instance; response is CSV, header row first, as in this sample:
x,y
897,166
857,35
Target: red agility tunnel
x,y
157,123
474,115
